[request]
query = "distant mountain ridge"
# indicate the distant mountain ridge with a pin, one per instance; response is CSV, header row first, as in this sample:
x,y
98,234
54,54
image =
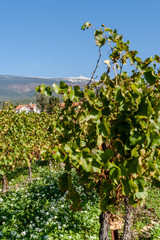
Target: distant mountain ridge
x,y
20,87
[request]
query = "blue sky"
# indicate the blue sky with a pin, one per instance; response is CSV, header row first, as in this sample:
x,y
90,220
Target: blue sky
x,y
43,37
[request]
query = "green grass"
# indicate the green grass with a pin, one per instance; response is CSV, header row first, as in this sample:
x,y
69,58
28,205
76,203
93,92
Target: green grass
x,y
19,177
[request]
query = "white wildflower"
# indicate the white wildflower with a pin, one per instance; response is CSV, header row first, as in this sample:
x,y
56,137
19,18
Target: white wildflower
x,y
23,233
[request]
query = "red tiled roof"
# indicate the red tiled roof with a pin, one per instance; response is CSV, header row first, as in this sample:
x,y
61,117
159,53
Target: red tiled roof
x,y
28,106
20,106
75,104
62,104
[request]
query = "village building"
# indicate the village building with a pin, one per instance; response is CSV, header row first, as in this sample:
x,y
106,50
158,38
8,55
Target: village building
x,y
28,108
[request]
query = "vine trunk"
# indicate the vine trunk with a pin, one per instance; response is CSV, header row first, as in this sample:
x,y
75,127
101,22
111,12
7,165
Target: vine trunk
x,y
127,224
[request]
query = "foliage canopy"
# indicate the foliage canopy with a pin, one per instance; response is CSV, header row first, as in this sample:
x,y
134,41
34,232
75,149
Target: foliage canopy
x,y
113,140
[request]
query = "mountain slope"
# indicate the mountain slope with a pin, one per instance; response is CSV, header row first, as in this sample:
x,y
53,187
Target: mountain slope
x,y
19,87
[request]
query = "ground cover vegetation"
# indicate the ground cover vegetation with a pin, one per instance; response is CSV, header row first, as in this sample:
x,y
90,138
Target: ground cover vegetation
x,y
39,210
113,140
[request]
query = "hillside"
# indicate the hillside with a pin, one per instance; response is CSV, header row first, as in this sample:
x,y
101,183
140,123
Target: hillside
x,y
19,87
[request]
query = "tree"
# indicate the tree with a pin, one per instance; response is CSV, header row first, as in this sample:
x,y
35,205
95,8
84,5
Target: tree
x,y
113,141
53,104
42,101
